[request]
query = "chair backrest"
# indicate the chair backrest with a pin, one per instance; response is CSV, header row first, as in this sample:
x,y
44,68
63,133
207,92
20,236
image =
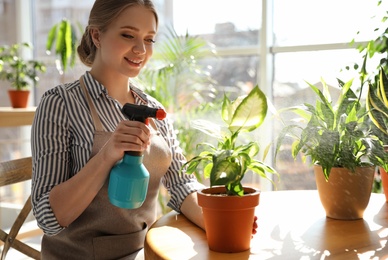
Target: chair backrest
x,y
12,172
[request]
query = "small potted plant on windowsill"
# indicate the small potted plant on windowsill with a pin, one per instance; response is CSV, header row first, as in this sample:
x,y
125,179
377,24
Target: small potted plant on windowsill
x,y
228,207
338,140
20,73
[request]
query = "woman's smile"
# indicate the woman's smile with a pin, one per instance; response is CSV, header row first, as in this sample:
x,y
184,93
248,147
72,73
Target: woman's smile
x,y
136,63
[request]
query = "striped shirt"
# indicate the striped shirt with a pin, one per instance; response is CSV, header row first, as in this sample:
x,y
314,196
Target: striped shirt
x,y
62,139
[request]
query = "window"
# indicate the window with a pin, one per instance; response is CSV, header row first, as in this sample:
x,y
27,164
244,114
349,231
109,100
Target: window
x,y
278,48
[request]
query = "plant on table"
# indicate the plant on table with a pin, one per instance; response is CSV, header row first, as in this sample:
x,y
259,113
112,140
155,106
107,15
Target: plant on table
x,y
377,105
228,161
336,136
228,219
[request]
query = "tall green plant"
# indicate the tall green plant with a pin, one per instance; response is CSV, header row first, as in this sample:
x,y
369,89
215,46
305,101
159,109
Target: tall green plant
x,y
376,47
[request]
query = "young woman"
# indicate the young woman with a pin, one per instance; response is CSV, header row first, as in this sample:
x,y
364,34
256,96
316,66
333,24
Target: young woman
x,y
79,134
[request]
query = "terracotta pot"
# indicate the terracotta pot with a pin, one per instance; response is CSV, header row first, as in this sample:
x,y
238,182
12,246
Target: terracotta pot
x,y
19,98
384,182
228,219
345,195
384,178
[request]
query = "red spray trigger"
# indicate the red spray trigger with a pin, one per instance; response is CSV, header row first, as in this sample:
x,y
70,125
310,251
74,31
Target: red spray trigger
x,y
161,114
142,113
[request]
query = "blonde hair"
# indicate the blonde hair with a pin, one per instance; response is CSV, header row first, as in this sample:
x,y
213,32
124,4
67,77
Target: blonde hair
x,y
101,15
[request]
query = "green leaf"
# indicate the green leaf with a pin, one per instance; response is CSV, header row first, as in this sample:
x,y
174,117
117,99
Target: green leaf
x,y
376,102
60,37
63,35
51,37
224,172
226,110
250,112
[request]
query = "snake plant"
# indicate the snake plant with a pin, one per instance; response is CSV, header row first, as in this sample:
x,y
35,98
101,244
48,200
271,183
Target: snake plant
x,y
377,102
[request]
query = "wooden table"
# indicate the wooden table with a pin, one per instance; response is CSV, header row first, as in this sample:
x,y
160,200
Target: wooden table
x,y
292,225
10,117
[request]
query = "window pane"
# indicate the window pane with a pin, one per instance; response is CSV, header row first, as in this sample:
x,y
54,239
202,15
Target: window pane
x,y
302,22
296,67
234,74
218,17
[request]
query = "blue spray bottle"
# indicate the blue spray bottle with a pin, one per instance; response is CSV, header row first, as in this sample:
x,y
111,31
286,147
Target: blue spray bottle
x,y
128,180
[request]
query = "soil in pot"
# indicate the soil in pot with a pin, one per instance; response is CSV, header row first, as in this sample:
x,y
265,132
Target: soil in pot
x,y
346,194
228,219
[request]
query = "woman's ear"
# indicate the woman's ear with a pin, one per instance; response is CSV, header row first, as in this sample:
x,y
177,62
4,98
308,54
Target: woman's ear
x,y
95,34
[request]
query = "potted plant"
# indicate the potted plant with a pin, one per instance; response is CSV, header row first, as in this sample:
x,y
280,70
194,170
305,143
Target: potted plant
x,y
338,140
377,105
228,207
20,73
374,51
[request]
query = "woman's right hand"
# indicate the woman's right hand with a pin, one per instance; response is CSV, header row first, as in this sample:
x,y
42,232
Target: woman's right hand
x,y
128,136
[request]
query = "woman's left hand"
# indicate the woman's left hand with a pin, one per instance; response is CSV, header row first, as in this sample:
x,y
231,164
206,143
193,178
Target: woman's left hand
x,y
254,227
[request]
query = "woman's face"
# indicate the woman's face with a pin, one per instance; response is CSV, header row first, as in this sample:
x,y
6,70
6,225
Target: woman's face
x,y
127,44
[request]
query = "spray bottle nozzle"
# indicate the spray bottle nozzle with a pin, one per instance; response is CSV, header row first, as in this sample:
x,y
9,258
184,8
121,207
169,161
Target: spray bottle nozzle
x,y
141,112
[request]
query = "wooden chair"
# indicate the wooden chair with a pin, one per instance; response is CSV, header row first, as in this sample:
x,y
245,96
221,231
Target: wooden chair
x,y
11,172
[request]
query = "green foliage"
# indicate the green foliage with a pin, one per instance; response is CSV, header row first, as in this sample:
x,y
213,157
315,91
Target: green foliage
x,y
62,37
189,136
377,102
19,72
174,75
335,135
371,77
377,46
227,162
175,78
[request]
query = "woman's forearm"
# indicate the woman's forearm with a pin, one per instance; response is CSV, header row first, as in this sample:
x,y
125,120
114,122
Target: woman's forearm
x,y
192,211
70,198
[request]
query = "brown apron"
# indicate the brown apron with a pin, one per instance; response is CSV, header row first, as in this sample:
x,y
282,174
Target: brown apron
x,y
104,231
